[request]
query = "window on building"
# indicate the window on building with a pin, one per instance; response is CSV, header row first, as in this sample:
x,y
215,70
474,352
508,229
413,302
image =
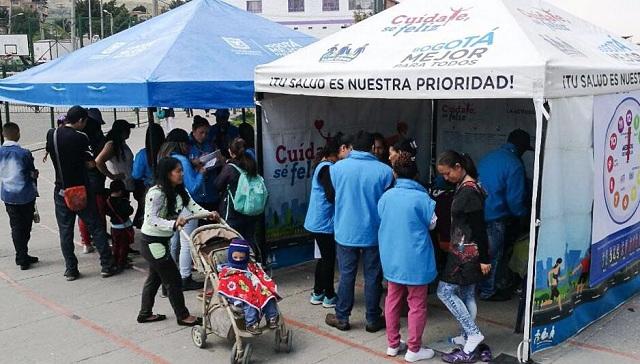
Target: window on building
x,y
296,6
360,4
254,6
330,5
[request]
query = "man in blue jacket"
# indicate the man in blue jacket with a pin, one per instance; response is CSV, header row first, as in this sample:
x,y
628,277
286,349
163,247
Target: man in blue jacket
x,y
359,182
18,191
502,175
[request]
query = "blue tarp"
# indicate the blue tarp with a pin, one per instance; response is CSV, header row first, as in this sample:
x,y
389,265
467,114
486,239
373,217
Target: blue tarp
x,y
199,55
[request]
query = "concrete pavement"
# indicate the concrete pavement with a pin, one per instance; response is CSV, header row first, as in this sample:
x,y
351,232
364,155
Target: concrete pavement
x,y
45,319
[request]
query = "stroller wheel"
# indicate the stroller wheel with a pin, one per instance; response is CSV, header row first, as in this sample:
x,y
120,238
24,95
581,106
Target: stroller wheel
x,y
245,358
277,340
283,343
289,341
199,336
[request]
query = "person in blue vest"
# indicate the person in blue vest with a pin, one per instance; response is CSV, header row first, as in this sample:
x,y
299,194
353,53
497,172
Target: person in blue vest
x,y
502,175
359,182
143,168
223,132
319,219
408,262
199,145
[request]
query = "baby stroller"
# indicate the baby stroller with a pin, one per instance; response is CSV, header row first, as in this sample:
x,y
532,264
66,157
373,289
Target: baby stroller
x,y
209,246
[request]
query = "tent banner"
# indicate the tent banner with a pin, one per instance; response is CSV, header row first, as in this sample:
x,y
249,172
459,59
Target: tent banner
x,y
616,227
564,300
294,133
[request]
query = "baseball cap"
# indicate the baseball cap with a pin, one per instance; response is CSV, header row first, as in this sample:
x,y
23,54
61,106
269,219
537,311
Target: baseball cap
x,y
520,139
122,125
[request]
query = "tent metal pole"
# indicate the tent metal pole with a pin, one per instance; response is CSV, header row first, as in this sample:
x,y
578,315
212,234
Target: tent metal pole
x,y
53,121
244,115
1,130
524,349
150,115
262,227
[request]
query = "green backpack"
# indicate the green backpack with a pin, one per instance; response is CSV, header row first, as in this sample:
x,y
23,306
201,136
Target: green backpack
x,y
251,194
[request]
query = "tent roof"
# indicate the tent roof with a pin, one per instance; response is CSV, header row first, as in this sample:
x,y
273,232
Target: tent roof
x,y
460,49
200,55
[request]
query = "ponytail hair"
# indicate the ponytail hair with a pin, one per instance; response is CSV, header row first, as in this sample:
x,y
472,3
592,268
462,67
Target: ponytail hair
x,y
238,148
405,166
331,147
451,158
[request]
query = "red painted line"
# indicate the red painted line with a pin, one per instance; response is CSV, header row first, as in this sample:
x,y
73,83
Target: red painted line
x,y
316,331
603,349
62,311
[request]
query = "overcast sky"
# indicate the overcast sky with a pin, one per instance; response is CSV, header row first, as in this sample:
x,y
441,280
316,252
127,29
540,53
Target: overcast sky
x,y
618,16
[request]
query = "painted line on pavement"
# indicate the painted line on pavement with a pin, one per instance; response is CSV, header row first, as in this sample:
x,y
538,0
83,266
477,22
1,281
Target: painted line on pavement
x,y
603,349
318,332
62,311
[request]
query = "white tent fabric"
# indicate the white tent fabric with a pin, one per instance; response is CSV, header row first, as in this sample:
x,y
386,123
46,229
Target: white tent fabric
x,y
460,49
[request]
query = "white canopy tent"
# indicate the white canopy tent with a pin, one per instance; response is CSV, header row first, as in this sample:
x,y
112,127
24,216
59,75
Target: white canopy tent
x,y
402,62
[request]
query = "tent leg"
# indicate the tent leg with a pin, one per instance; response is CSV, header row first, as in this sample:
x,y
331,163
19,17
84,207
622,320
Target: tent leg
x,y
1,130
150,115
244,115
524,350
262,226
53,118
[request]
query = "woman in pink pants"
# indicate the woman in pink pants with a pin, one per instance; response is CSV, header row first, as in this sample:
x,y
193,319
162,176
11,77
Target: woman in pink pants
x,y
406,214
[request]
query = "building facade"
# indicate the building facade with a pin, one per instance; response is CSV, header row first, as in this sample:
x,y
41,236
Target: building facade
x,y
317,18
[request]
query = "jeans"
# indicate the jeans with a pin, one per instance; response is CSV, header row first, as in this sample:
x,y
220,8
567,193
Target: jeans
x,y
66,220
21,221
496,234
186,263
252,315
348,258
101,205
417,318
325,267
461,302
162,271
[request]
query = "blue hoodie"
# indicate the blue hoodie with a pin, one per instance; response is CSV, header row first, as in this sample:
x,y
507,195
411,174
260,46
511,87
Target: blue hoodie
x,y
17,185
406,250
193,180
319,217
208,193
359,181
501,174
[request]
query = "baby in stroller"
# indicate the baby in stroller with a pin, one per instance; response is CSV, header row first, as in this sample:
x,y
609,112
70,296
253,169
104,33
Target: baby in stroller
x,y
245,285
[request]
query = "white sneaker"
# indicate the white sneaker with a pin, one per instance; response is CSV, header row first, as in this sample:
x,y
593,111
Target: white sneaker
x,y
395,351
87,249
422,354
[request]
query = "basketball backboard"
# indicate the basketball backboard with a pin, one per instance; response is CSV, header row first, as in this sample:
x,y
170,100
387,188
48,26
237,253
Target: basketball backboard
x,y
14,45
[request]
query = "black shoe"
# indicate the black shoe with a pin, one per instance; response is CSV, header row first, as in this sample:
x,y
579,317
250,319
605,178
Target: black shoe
x,y
32,260
498,297
333,321
72,275
25,266
376,326
188,284
273,322
107,272
134,252
254,329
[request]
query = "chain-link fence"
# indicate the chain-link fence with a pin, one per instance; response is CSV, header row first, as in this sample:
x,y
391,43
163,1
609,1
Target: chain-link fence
x,y
35,121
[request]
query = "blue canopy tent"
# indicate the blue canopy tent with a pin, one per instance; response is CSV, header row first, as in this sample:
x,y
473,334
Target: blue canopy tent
x,y
199,55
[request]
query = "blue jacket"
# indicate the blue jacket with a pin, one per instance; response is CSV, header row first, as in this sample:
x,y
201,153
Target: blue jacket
x,y
208,193
406,251
502,175
17,185
359,181
193,180
141,169
319,217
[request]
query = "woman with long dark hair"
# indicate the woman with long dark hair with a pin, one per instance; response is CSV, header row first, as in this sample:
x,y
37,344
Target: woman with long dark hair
x,y
164,203
116,159
227,183
468,260
319,220
143,166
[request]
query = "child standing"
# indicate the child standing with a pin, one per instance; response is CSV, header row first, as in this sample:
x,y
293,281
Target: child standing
x,y
246,285
119,210
18,177
406,214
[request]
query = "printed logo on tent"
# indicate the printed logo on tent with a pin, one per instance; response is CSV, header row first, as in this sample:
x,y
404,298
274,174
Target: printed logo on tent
x,y
464,51
546,18
562,45
342,54
283,48
426,22
620,51
545,337
239,46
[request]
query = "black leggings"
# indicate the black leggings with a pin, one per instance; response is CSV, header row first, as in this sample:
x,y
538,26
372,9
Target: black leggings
x,y
162,271
325,267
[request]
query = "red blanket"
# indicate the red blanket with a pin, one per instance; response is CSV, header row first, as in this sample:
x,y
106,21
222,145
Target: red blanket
x,y
252,286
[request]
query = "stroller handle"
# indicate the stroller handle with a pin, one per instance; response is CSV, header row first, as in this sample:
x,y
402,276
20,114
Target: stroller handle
x,y
202,216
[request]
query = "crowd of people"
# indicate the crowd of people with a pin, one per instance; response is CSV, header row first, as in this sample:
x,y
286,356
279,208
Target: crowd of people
x,y
366,205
